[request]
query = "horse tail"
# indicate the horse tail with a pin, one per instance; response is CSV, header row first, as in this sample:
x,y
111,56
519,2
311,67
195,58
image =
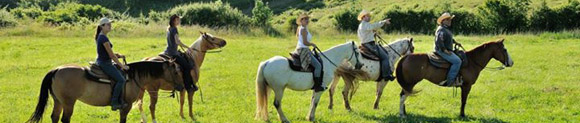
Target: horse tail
x,y
401,78
45,87
261,93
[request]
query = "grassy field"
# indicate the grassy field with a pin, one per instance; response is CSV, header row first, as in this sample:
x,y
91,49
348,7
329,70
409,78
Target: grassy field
x,y
543,85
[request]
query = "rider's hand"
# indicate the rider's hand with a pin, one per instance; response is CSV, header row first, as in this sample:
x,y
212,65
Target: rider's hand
x,y
119,55
125,67
447,51
387,21
313,45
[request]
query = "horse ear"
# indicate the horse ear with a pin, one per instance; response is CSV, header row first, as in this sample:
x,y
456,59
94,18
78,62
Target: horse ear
x,y
411,40
501,40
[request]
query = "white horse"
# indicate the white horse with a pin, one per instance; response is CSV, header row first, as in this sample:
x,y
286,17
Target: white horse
x,y
395,50
276,74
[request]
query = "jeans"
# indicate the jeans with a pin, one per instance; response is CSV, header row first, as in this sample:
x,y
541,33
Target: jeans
x,y
316,64
109,69
455,65
186,70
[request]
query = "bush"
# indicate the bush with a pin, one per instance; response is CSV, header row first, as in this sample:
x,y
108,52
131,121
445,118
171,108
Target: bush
x,y
73,13
346,20
565,17
6,19
261,13
27,12
414,21
504,16
467,23
215,14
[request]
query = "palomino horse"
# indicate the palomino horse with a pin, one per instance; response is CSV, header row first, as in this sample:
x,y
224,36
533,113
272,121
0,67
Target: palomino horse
x,y
413,68
67,84
195,54
276,74
396,49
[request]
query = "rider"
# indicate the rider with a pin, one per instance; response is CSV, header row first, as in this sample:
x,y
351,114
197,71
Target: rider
x,y
443,46
104,56
366,35
306,56
172,42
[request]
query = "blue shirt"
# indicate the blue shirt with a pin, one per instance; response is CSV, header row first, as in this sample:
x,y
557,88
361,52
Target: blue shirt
x,y
102,55
171,43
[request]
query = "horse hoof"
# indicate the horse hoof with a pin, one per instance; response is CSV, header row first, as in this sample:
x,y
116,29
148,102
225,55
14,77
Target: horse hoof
x,y
285,121
402,115
330,107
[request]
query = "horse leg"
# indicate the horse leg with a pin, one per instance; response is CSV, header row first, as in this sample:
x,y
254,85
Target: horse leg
x,y
153,95
331,91
278,104
124,112
464,93
190,102
345,91
380,86
181,102
56,111
67,112
402,111
313,105
140,105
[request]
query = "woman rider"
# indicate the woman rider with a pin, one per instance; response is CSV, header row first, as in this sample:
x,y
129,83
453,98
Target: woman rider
x,y
306,56
172,42
105,59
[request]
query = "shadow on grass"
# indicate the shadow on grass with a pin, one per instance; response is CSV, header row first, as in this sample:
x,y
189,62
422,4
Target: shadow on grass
x,y
422,118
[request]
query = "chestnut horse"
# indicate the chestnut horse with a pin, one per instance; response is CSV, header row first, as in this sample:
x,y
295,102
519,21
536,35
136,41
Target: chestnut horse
x,y
413,68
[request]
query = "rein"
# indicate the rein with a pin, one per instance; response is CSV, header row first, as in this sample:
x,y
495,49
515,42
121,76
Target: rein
x,y
382,41
481,66
353,53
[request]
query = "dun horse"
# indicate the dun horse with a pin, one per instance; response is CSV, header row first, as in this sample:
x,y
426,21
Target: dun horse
x,y
67,84
413,68
195,54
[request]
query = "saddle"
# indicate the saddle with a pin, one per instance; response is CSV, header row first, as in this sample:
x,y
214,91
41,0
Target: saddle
x,y
295,63
437,61
95,73
368,54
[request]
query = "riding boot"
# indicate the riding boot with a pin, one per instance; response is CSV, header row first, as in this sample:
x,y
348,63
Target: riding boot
x,y
317,84
116,101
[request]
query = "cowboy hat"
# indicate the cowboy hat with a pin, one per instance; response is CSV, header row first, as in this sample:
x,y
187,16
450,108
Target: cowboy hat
x,y
362,14
444,16
300,17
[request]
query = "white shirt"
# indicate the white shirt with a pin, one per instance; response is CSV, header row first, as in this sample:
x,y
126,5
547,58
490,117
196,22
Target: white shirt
x,y
365,30
300,43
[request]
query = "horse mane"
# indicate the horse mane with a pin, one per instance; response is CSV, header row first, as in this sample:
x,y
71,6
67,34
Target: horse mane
x,y
481,47
146,68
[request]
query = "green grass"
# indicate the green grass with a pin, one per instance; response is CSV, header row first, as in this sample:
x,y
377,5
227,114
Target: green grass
x,y
541,87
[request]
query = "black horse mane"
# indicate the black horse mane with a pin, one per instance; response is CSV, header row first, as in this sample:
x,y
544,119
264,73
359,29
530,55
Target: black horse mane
x,y
146,68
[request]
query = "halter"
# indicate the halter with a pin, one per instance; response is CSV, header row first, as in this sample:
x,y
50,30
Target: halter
x,y
204,38
496,68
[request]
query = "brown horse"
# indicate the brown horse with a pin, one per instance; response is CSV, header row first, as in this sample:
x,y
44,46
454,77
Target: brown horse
x,y
413,68
195,54
67,84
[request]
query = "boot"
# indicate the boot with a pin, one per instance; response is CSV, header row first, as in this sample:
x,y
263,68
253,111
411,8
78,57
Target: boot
x,y
116,102
318,84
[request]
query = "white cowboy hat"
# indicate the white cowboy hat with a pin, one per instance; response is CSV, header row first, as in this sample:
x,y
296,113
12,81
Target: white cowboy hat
x,y
444,16
362,14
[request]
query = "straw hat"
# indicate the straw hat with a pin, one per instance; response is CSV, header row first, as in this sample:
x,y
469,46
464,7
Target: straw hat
x,y
444,16
300,17
362,14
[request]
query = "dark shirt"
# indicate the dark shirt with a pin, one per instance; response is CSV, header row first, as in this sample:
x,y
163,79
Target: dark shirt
x,y
443,39
171,43
102,54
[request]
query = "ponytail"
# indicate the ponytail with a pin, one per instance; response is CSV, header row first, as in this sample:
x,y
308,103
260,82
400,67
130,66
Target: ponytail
x,y
99,29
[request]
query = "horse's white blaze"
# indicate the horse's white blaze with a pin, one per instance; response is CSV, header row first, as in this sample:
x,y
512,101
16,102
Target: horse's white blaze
x,y
510,61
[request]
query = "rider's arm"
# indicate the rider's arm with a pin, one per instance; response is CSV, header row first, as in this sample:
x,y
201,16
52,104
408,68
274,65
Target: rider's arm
x,y
304,37
177,40
112,54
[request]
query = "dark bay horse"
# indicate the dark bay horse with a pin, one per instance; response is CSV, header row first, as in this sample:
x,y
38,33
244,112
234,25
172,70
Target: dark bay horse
x,y
67,84
413,68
